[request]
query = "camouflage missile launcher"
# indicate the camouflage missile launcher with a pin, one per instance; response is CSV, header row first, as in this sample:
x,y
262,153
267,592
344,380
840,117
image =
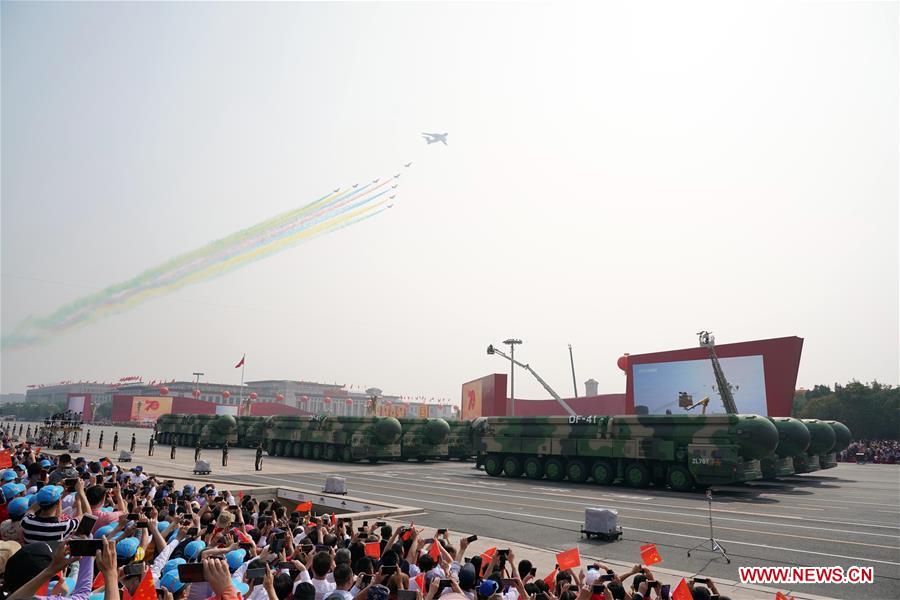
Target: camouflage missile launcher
x,y
334,438
460,442
821,441
424,438
842,439
673,450
212,431
251,431
793,439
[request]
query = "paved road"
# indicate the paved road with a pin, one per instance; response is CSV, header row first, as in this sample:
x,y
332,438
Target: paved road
x,y
845,516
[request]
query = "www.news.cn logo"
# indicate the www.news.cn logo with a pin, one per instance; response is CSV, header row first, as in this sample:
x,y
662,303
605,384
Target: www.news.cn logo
x,y
807,574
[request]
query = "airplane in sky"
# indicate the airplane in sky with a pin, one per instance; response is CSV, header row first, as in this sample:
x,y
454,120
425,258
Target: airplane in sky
x,y
374,181
433,138
393,187
336,191
409,164
397,175
354,185
392,197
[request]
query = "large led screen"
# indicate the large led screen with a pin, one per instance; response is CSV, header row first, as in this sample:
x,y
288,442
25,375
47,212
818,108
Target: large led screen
x,y
657,385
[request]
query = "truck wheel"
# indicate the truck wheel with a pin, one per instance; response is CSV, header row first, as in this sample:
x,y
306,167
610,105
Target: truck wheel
x,y
637,475
767,465
534,468
577,471
493,466
421,459
330,452
307,450
680,478
555,469
603,473
317,451
296,449
512,466
347,454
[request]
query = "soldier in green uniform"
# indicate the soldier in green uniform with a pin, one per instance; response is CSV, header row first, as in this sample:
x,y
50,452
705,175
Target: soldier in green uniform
x,y
259,453
225,454
172,454
152,443
116,441
100,445
197,449
87,439
133,442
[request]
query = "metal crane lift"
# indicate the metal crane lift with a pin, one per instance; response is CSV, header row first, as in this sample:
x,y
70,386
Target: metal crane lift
x,y
566,407
723,387
686,401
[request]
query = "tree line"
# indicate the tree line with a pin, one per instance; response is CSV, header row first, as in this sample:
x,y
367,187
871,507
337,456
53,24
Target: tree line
x,y
870,410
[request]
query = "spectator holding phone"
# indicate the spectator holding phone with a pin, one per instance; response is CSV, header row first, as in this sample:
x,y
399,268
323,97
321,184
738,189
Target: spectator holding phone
x,y
46,523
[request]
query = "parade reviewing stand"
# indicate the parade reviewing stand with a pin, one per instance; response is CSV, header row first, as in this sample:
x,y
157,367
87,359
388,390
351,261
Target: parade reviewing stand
x,y
92,530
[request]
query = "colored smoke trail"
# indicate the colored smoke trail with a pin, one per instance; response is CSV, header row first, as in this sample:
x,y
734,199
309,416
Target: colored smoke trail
x,y
327,214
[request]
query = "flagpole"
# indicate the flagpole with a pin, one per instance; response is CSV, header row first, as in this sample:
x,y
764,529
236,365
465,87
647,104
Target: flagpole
x,y
243,359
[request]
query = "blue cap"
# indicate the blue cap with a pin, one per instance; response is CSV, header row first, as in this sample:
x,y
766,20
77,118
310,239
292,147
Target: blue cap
x,y
8,475
97,596
18,507
240,586
127,548
104,531
235,559
488,587
70,584
193,549
189,490
162,526
46,464
172,564
20,467
49,495
171,581
11,490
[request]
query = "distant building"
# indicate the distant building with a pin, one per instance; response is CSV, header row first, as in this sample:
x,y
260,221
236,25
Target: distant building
x,y
11,398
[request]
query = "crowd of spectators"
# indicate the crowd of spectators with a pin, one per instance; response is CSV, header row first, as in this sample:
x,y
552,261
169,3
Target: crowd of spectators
x,y
872,451
91,530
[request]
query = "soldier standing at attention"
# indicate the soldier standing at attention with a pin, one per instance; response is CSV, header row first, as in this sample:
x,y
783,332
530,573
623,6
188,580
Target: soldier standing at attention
x,y
197,449
172,454
259,452
152,443
133,442
87,439
100,445
116,441
225,454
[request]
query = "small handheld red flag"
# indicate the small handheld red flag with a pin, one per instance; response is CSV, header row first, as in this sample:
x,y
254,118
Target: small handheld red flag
x,y
550,579
373,550
333,519
5,459
303,507
99,581
568,559
434,551
420,581
649,555
780,596
145,589
682,591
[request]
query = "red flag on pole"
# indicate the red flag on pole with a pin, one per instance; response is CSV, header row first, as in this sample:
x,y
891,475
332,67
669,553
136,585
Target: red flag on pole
x,y
145,589
420,581
649,555
681,591
99,581
241,362
303,507
568,559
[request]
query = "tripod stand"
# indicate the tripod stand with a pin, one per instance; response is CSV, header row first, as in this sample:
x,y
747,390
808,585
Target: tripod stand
x,y
713,544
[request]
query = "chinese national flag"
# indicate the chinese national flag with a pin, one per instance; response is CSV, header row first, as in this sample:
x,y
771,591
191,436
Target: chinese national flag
x,y
303,507
420,581
434,551
780,596
145,590
649,555
99,582
45,589
5,459
550,579
240,362
568,559
406,534
333,519
486,557
681,591
373,550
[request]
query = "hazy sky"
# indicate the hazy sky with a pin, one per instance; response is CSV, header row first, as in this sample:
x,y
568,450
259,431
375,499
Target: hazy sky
x,y
619,176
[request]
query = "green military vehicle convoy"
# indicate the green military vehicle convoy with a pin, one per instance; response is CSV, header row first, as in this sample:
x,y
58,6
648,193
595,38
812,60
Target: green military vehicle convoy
x,y
334,438
679,451
212,431
423,439
675,450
